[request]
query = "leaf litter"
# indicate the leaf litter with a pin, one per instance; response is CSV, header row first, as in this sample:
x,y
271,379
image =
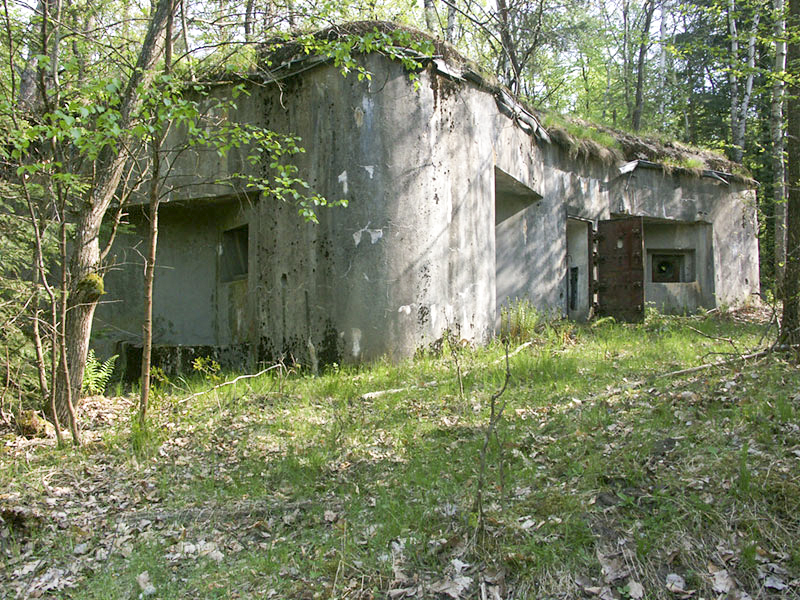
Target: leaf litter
x,y
101,509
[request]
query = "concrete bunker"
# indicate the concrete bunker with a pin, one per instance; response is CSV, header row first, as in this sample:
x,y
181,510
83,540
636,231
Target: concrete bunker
x,y
458,204
232,297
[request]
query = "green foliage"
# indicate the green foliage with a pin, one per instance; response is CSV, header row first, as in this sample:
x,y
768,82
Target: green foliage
x,y
144,439
207,367
97,374
582,131
519,320
655,320
345,46
17,292
158,379
171,103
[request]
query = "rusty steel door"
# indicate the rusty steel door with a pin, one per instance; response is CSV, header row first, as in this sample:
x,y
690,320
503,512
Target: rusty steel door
x,y
620,268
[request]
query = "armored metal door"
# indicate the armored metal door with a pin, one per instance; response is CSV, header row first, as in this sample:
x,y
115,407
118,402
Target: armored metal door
x,y
620,268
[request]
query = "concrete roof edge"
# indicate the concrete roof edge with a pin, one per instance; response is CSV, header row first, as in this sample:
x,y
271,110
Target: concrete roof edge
x,y
720,176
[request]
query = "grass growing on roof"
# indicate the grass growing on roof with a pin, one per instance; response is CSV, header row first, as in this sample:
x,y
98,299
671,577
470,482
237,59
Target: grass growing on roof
x,y
296,486
580,130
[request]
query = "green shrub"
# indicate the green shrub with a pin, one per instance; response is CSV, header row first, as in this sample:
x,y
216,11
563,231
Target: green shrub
x,y
519,320
97,374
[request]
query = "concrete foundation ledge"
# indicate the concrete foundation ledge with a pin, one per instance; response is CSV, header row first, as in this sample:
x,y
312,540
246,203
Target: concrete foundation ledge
x,y
178,360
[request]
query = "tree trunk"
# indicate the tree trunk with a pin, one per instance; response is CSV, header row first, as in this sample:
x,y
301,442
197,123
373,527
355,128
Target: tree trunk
x,y
509,47
86,283
790,325
430,16
149,273
450,32
248,20
30,96
740,103
662,62
776,132
639,105
736,152
626,60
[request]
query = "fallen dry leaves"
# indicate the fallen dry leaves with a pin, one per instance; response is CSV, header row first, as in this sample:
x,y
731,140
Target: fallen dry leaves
x,y
100,507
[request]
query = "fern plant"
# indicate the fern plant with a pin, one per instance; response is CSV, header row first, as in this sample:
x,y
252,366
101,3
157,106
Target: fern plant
x,y
97,374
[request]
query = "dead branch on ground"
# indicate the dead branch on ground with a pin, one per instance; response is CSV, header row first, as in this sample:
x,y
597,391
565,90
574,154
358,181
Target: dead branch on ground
x,y
232,381
495,415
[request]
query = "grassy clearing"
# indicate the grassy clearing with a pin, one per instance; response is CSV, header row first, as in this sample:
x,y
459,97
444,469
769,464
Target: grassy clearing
x,y
306,487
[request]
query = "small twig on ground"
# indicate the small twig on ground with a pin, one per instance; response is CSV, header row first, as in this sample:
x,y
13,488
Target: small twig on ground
x,y
713,337
514,353
495,415
5,389
640,382
230,382
452,341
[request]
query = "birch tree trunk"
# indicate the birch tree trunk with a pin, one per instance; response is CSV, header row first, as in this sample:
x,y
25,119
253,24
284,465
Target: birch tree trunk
x,y
626,59
636,121
740,102
450,32
776,133
430,15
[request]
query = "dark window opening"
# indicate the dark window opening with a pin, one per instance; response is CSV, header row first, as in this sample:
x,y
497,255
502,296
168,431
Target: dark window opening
x,y
573,288
234,253
670,268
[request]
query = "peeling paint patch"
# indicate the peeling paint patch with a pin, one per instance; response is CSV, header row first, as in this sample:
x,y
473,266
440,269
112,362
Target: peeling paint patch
x,y
343,181
405,309
356,335
358,113
374,234
449,314
467,291
370,169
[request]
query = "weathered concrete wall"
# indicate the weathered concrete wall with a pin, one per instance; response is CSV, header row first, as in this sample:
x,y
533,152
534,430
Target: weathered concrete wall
x,y
516,215
735,242
453,209
412,253
695,241
406,258
186,288
594,191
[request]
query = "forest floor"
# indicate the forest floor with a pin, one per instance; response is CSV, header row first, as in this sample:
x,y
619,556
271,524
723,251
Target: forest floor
x,y
608,476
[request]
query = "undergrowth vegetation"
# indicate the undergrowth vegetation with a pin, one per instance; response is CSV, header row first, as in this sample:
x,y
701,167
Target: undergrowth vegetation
x,y
609,476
